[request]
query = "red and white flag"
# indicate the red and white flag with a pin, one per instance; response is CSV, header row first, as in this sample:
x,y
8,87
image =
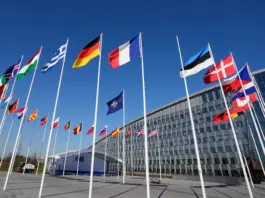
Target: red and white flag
x,y
242,101
153,133
224,68
129,133
56,123
140,132
44,120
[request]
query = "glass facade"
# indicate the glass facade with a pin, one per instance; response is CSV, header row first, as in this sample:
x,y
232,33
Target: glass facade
x,y
216,144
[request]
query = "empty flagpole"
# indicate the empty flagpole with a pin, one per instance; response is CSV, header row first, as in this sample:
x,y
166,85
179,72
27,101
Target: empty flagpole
x,y
232,126
131,152
51,128
118,151
260,161
145,122
192,125
20,127
43,138
123,140
79,153
3,154
30,140
248,172
158,145
106,141
55,140
11,92
95,124
66,152
261,131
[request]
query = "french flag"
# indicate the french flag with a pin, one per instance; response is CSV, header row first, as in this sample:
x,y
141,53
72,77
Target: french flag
x,y
234,82
125,53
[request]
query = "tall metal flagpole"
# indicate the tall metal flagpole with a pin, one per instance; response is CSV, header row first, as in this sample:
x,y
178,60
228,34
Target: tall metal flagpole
x,y
20,127
131,152
260,161
261,130
105,154
43,138
66,152
56,134
158,145
80,145
118,165
26,161
145,122
3,154
251,181
53,117
232,127
192,125
123,140
95,124
11,92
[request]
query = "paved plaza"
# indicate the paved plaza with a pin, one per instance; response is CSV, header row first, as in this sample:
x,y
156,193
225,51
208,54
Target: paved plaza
x,y
27,186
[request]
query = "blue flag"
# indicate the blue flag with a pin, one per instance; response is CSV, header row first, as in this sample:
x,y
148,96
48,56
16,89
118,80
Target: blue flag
x,y
115,104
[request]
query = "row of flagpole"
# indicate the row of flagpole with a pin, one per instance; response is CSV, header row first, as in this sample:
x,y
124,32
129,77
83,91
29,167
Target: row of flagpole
x,y
256,125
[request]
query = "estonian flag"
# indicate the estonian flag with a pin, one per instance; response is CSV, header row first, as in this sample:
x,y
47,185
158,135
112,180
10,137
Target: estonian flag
x,y
197,63
115,104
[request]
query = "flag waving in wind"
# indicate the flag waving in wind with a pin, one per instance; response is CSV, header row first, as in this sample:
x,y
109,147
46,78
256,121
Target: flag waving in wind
x,y
12,71
103,132
56,123
44,120
78,129
30,65
115,132
12,107
7,100
91,130
60,54
33,116
115,104
198,62
224,69
21,112
67,125
125,53
129,133
90,51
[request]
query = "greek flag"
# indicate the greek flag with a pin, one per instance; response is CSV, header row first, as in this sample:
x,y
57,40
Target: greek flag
x,y
58,56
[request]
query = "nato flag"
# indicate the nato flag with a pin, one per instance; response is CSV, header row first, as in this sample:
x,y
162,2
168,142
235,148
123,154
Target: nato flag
x,y
115,104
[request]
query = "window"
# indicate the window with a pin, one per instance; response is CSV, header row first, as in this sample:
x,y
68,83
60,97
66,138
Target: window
x,y
210,94
208,119
218,106
216,161
215,127
204,98
224,161
217,94
213,150
205,139
220,149
208,129
202,130
209,160
233,160
211,108
222,126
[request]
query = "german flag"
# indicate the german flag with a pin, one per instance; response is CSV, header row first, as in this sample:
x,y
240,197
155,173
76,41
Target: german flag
x,y
12,107
33,116
90,51
115,132
78,129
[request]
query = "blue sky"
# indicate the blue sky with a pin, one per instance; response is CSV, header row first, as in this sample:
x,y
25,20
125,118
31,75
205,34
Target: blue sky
x,y
230,26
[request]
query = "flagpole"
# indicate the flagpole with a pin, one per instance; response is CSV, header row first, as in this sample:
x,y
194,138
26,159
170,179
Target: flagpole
x,y
192,124
80,145
251,181
123,140
131,152
232,127
106,141
53,117
118,165
11,92
32,134
3,154
261,131
55,140
158,145
95,124
43,138
260,161
145,122
20,126
250,109
66,152
15,154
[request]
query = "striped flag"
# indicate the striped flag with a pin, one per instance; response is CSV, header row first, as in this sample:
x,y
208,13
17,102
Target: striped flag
x,y
129,133
12,71
140,132
60,54
44,120
152,133
20,112
7,100
103,132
